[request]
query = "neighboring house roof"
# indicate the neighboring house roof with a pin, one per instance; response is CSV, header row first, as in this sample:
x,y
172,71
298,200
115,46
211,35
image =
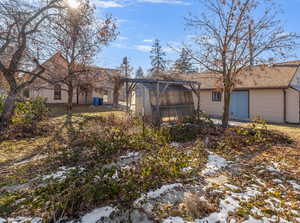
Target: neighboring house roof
x,y
56,67
278,75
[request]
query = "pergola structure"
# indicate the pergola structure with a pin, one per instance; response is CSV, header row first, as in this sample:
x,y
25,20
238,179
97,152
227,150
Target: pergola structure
x,y
130,85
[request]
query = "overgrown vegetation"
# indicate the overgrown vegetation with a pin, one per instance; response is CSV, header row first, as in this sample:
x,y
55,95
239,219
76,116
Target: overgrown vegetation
x,y
27,119
114,160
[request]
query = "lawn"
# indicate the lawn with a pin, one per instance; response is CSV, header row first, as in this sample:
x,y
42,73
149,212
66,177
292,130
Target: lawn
x,y
109,167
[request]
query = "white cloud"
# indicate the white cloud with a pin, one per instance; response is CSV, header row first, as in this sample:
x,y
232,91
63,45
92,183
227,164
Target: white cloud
x,y
106,4
143,48
148,40
123,38
119,45
174,2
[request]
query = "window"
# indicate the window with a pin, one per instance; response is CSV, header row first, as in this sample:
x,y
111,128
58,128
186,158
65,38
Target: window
x,y
26,93
57,92
216,96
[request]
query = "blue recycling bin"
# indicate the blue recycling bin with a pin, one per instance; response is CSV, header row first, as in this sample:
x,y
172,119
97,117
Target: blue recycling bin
x,y
95,101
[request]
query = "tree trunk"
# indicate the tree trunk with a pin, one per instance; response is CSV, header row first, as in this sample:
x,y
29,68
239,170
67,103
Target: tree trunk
x,y
226,111
70,100
116,93
8,110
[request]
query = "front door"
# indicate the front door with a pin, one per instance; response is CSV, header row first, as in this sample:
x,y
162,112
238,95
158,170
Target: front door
x,y
239,105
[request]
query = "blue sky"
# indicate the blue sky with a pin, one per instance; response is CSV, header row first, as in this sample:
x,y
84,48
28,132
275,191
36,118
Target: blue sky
x,y
141,21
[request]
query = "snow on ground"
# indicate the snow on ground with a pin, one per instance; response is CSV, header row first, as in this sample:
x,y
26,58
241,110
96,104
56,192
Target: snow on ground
x,y
157,193
175,220
97,214
294,184
35,158
274,167
175,144
61,174
21,220
130,155
17,187
124,161
227,205
215,163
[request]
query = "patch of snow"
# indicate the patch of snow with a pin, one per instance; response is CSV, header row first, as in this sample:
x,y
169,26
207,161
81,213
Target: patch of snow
x,y
273,168
97,214
227,205
175,144
215,163
37,157
175,220
2,220
124,160
251,192
20,200
24,220
232,187
277,181
130,155
18,187
259,181
294,184
187,169
157,193
61,174
115,176
253,220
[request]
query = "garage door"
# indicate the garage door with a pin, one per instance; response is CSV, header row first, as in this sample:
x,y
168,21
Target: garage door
x,y
239,105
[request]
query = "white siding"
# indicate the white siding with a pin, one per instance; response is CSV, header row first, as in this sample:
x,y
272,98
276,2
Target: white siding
x,y
47,92
268,104
210,107
292,106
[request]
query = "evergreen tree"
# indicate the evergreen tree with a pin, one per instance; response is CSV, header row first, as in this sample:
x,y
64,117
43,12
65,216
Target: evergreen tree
x,y
139,73
183,64
158,62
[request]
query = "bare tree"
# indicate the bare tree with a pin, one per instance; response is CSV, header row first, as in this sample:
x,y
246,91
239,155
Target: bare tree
x,y
21,41
78,36
232,35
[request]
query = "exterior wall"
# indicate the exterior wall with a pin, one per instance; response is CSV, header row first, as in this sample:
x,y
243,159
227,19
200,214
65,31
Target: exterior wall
x,y
296,80
268,104
141,101
292,106
47,92
213,108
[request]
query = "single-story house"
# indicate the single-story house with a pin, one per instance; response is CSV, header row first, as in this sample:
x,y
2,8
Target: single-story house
x,y
98,83
269,92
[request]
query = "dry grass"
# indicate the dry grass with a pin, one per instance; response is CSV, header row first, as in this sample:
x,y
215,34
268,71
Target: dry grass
x,y
292,131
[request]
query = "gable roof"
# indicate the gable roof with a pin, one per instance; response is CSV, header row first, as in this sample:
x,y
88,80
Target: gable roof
x,y
278,75
56,67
